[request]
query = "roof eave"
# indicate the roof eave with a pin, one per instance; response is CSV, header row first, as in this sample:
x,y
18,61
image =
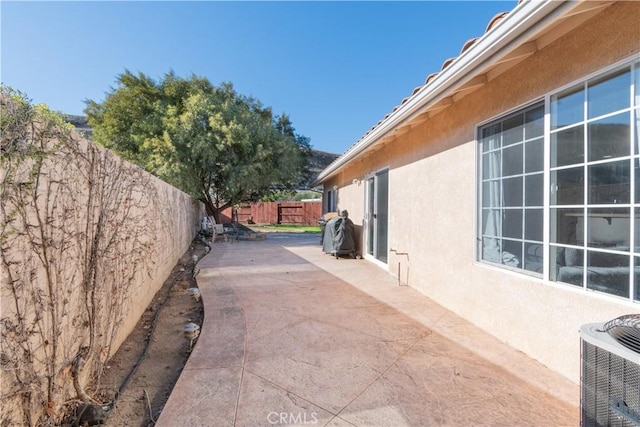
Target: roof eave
x,y
507,35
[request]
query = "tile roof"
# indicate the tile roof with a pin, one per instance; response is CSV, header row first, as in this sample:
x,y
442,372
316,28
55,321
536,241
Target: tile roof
x,y
553,18
492,23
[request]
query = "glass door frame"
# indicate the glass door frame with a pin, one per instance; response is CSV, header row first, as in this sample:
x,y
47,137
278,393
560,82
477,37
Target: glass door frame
x,y
372,226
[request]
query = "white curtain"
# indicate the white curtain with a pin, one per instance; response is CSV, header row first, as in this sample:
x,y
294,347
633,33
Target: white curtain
x,y
493,226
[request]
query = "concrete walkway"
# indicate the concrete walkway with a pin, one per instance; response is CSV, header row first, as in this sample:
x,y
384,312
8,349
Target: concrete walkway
x,y
295,337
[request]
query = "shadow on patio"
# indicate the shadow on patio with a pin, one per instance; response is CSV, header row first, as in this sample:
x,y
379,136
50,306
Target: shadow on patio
x,y
296,337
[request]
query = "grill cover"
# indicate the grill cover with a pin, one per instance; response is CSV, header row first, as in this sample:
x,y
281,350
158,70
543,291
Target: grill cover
x,y
339,236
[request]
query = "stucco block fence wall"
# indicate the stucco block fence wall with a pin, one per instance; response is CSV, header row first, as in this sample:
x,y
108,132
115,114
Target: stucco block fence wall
x,y
87,240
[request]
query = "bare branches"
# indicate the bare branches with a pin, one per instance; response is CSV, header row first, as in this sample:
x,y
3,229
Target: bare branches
x,y
77,228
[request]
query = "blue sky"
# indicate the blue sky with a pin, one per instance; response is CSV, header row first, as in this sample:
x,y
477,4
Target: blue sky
x,y
336,68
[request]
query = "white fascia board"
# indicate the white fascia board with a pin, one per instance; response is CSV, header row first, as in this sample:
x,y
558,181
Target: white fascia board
x,y
527,17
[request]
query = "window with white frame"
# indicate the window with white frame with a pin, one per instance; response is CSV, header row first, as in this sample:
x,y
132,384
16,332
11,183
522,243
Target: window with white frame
x,y
512,189
593,211
593,200
331,200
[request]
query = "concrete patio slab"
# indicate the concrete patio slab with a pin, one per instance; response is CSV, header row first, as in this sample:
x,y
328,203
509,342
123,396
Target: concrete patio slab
x,y
295,337
291,409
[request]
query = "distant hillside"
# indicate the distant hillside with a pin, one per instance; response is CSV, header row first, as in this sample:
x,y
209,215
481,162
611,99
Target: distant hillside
x,y
81,124
318,160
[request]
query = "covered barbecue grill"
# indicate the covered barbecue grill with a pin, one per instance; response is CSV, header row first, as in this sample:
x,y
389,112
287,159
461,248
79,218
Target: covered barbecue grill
x,y
339,236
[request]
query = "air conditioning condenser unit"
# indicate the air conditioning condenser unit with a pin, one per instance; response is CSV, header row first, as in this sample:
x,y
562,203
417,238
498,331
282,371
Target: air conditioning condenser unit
x,y
610,373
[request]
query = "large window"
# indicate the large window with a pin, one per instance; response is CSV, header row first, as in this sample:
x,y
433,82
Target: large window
x,y
512,189
592,203
592,211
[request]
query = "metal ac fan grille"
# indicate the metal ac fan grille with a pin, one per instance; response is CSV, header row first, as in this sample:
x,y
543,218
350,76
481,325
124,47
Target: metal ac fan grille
x,y
608,381
628,337
625,330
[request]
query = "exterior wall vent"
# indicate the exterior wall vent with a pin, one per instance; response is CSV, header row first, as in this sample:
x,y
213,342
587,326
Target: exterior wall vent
x,y
610,373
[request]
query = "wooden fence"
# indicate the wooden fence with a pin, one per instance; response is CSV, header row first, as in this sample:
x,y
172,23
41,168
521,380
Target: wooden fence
x,y
304,213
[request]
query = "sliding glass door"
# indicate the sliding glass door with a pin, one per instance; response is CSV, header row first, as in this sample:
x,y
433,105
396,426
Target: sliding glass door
x,y
376,215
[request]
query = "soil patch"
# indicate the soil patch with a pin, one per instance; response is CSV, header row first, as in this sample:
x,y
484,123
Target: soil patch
x,y
144,393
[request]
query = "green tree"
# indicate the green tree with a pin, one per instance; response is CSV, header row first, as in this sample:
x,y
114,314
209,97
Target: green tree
x,y
210,141
285,127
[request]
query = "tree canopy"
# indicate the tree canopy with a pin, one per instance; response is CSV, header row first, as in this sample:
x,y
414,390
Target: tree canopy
x,y
210,141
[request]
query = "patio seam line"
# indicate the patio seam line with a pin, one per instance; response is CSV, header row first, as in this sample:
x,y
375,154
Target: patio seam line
x,y
212,367
341,419
433,327
242,370
291,392
216,288
391,365
412,342
301,318
428,331
376,302
282,329
244,348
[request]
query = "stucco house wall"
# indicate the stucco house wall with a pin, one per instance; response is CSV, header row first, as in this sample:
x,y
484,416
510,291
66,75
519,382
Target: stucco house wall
x,y
433,191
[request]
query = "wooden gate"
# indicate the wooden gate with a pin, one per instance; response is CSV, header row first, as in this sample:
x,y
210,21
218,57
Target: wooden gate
x,y
304,213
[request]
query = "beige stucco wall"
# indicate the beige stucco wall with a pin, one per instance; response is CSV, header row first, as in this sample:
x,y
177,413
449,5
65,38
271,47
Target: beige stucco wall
x,y
433,192
87,241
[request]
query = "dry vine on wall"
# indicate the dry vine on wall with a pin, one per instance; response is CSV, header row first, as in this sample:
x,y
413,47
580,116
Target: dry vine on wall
x,y
77,230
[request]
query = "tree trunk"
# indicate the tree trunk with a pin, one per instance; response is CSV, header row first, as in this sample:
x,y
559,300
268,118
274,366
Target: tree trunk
x,y
214,206
213,210
216,215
